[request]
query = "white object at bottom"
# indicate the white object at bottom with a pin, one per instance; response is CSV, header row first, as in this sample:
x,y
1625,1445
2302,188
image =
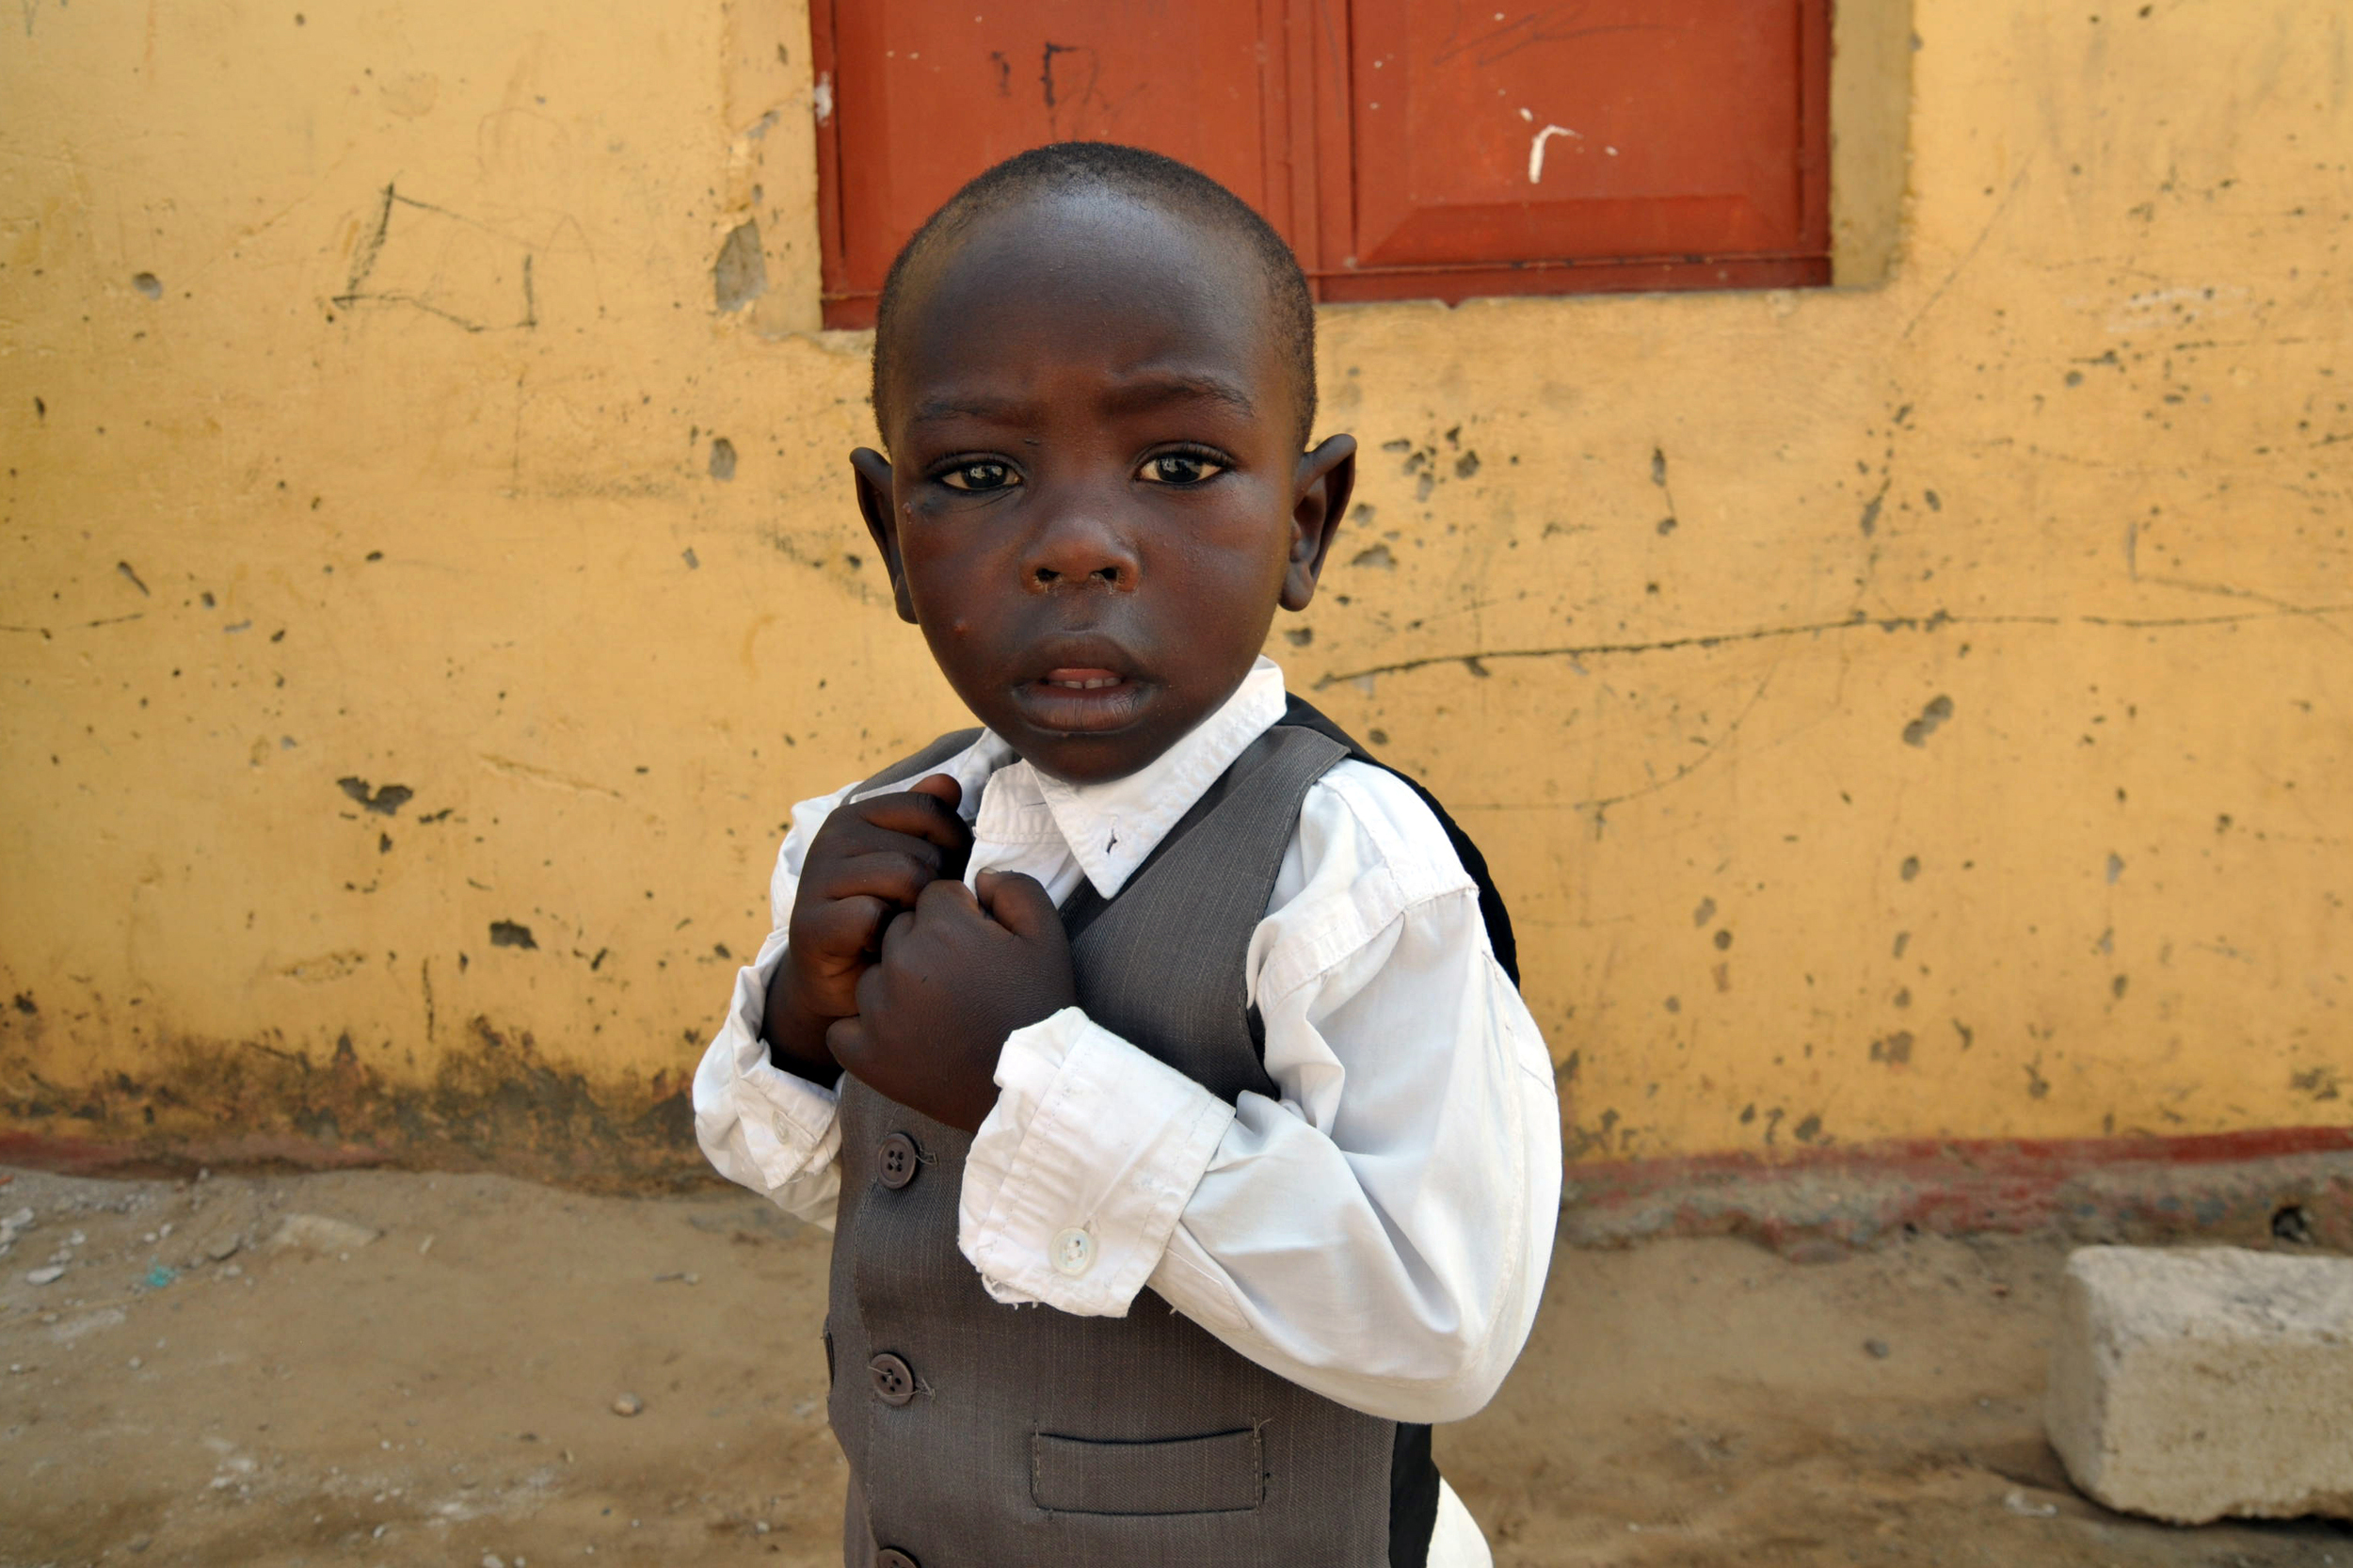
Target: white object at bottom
x,y
1454,1539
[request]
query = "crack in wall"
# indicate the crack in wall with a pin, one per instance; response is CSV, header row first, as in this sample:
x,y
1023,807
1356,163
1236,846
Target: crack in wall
x,y
1475,660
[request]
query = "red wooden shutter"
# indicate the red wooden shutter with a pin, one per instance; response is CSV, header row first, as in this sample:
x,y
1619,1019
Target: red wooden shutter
x,y
1405,147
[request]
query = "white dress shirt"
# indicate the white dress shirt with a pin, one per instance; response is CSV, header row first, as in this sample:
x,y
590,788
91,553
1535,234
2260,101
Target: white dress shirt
x,y
1379,1235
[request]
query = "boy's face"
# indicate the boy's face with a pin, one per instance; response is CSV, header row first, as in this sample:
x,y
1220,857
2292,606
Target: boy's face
x,y
1096,499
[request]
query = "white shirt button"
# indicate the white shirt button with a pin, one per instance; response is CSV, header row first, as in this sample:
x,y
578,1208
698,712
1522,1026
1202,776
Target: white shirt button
x,y
1074,1253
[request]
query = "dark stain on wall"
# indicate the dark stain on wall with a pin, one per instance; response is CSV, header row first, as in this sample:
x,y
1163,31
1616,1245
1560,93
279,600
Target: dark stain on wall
x,y
493,1103
740,273
1916,734
507,934
383,802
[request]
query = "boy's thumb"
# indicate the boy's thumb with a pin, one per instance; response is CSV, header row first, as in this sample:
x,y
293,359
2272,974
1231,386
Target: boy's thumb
x,y
940,787
1018,903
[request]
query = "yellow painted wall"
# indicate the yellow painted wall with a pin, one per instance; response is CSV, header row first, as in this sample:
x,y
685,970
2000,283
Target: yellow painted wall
x,y
1968,758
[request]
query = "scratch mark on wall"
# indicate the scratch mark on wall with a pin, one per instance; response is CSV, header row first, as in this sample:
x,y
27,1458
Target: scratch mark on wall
x,y
1528,28
1658,477
1709,751
326,967
1536,150
531,775
1984,232
440,265
1056,93
46,632
133,578
2224,590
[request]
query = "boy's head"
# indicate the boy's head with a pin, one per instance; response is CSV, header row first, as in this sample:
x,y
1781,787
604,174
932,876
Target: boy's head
x,y
1093,372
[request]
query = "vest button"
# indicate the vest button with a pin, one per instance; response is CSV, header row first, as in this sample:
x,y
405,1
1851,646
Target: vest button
x,y
887,1558
896,1161
894,1381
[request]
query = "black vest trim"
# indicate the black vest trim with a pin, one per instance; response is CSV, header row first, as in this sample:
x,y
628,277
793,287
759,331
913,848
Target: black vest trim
x,y
1491,909
1413,1469
1412,1497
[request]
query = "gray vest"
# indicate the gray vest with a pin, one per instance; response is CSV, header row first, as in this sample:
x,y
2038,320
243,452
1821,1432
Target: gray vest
x,y
984,1435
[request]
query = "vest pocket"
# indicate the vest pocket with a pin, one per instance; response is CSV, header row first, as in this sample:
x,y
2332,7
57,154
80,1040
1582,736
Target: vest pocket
x,y
1223,1473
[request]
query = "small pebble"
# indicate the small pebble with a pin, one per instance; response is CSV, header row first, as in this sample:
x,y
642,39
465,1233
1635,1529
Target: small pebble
x,y
491,1560
50,1275
1877,1349
627,1405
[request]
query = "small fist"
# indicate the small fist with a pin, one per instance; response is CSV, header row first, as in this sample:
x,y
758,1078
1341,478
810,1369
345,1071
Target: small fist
x,y
956,976
869,863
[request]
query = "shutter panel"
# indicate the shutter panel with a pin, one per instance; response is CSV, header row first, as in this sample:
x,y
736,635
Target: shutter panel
x,y
1505,147
927,93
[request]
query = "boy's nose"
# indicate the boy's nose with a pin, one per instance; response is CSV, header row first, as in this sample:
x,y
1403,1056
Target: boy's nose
x,y
1082,548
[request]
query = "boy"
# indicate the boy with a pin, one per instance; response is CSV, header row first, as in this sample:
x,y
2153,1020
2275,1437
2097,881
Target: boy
x,y
1155,1007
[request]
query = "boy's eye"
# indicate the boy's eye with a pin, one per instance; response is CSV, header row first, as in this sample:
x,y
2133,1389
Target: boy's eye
x,y
986,474
1179,468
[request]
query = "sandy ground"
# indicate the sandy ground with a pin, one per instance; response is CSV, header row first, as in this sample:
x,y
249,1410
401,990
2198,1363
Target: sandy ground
x,y
183,1393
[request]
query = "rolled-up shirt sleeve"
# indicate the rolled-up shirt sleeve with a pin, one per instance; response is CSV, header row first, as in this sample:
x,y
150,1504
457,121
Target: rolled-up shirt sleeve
x,y
759,1126
1380,1233
1077,1178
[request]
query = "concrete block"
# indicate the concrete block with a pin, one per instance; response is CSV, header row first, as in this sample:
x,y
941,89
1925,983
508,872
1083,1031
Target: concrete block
x,y
2194,1383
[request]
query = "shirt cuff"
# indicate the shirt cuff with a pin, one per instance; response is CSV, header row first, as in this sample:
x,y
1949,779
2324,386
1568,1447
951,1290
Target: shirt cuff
x,y
767,1129
1077,1177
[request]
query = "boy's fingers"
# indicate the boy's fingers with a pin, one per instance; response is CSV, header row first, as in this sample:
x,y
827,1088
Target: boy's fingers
x,y
920,814
868,990
846,1039
944,891
940,787
1019,903
850,926
885,875
901,926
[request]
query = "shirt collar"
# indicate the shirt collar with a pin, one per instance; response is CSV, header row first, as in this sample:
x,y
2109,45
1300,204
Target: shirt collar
x,y
1110,827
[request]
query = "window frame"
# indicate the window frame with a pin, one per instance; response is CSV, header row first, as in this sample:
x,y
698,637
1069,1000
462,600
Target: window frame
x,y
1307,99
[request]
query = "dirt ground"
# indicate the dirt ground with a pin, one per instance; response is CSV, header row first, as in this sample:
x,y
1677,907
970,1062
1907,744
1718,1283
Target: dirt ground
x,y
185,1393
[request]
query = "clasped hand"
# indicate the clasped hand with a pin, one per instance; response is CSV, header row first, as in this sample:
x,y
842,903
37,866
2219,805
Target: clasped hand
x,y
897,973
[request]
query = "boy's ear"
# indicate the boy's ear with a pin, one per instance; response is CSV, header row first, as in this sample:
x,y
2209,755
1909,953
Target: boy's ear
x,y
1327,476
870,471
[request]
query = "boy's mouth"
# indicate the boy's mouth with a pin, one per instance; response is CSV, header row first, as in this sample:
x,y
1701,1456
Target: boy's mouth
x,y
1081,698
1081,680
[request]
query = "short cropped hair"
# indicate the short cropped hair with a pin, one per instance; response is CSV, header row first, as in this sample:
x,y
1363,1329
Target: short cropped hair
x,y
1150,179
